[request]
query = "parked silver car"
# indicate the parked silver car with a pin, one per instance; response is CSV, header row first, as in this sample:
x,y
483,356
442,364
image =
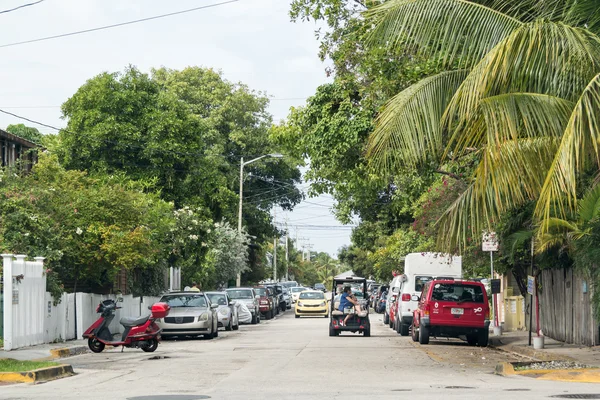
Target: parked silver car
x,y
226,312
249,298
191,315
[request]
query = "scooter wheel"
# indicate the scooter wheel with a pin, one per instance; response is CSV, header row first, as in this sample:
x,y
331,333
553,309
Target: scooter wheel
x,y
95,345
151,346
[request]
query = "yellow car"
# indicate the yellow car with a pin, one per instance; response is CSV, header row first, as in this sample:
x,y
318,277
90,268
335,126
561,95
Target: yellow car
x,y
312,303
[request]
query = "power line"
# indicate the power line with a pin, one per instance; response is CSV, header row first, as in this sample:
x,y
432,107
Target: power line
x,y
119,24
128,145
30,120
22,6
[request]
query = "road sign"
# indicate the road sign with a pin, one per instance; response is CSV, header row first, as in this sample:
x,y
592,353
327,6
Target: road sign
x,y
530,284
489,241
495,284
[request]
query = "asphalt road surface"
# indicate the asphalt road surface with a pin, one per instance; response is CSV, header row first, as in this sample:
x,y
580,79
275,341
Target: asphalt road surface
x,y
288,358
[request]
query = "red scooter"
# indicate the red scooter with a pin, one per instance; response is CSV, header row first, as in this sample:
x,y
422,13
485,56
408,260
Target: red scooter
x,y
139,332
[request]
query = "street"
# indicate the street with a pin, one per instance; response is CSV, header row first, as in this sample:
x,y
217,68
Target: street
x,y
288,358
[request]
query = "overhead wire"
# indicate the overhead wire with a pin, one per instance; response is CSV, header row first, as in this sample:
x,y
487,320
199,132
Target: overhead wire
x,y
119,24
21,6
129,145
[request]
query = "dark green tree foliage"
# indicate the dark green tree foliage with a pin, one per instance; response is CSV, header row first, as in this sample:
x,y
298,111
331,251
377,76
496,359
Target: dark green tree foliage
x,y
181,133
25,132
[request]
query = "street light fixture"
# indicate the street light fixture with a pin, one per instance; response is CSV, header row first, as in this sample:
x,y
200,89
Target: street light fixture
x,y
238,280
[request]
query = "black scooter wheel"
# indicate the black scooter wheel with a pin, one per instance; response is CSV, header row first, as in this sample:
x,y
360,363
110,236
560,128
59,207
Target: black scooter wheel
x,y
151,346
95,345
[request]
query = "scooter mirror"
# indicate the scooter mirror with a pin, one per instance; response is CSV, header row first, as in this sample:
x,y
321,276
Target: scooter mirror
x,y
119,300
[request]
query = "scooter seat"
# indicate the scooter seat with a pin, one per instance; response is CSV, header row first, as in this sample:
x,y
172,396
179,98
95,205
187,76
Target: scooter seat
x,y
133,321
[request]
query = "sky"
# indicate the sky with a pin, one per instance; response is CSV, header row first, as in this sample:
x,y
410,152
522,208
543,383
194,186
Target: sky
x,y
250,41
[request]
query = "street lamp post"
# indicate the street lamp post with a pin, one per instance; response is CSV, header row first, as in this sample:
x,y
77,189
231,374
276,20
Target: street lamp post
x,y
238,280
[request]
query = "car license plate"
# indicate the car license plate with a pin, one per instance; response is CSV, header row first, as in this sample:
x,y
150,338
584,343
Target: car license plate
x,y
457,311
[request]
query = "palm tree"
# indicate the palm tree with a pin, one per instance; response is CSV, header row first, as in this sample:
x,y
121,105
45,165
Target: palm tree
x,y
522,96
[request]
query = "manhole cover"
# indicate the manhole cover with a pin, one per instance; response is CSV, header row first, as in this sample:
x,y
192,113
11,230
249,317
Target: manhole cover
x,y
170,397
577,396
158,357
459,387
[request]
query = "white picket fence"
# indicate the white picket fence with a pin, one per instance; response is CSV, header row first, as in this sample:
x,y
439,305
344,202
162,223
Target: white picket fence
x,y
31,318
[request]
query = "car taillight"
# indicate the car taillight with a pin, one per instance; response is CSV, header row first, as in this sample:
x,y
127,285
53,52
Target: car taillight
x,y
426,311
405,296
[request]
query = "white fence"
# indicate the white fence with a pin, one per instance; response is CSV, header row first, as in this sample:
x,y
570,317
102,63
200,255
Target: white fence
x,y
24,286
31,318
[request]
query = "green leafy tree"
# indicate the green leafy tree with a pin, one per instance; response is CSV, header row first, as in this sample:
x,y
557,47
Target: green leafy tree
x,y
182,133
89,229
25,132
227,253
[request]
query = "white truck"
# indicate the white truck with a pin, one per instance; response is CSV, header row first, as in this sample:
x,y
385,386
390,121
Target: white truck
x,y
420,268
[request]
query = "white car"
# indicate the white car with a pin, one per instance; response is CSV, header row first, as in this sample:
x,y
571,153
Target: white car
x,y
296,292
227,312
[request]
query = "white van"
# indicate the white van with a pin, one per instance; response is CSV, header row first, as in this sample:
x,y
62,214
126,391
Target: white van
x,y
420,268
392,294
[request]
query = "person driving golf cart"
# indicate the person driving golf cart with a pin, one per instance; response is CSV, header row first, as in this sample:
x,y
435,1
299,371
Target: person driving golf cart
x,y
349,310
348,303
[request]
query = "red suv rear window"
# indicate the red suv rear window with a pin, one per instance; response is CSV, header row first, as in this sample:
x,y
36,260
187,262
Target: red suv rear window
x,y
457,292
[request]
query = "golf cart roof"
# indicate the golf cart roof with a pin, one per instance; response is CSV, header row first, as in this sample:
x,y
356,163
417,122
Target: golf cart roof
x,y
351,279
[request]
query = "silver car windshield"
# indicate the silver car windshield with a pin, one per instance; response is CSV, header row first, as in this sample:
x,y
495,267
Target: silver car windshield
x,y
216,298
240,294
184,301
298,289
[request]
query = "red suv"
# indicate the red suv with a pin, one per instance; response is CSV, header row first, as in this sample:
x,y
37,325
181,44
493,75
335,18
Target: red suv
x,y
449,308
265,302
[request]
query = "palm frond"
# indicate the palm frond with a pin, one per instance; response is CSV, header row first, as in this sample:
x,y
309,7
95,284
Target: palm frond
x,y
588,208
517,240
578,147
460,29
510,117
505,178
581,13
408,130
540,57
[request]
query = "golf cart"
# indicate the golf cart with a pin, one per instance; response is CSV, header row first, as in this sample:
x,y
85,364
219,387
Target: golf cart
x,y
357,322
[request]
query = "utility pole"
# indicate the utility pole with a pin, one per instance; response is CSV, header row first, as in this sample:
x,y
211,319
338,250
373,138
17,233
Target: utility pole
x,y
287,254
275,246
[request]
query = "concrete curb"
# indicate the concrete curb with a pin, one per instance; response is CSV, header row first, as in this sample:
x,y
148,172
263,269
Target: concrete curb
x,y
38,375
505,369
68,351
529,352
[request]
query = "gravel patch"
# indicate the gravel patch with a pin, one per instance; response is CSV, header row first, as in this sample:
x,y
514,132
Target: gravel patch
x,y
552,365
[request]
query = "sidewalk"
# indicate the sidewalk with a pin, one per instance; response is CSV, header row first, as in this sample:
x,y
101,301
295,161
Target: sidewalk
x,y
47,351
517,342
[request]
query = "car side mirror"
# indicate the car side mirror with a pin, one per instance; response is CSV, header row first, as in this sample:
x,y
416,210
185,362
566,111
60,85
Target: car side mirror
x,y
257,297
150,308
213,306
414,297
232,303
